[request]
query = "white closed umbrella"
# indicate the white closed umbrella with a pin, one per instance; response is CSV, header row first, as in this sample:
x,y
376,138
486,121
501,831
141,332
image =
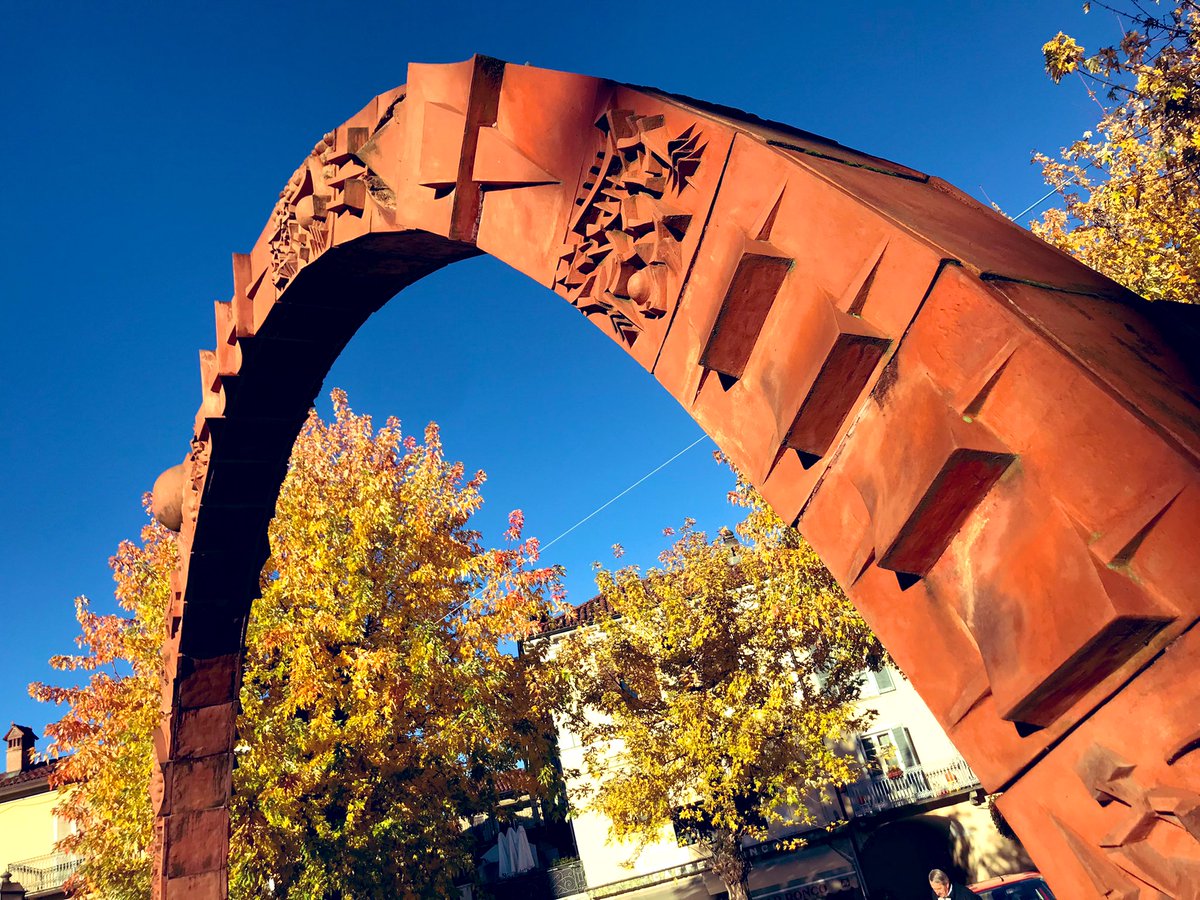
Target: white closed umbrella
x,y
524,852
505,855
510,842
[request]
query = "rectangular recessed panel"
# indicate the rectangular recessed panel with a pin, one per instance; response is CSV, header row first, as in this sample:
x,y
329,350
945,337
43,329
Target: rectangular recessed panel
x,y
748,300
1116,642
842,378
964,479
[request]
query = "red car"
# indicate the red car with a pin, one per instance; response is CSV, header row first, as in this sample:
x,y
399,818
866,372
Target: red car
x,y
1026,886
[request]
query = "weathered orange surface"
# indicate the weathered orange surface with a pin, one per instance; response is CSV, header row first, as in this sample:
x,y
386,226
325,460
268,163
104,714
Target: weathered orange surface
x,y
994,448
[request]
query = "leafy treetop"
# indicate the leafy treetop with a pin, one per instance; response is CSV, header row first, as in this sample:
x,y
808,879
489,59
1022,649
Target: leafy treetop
x,y
1131,187
715,695
380,710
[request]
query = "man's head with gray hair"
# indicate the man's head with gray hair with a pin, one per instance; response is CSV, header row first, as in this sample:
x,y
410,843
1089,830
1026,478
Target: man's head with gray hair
x,y
940,882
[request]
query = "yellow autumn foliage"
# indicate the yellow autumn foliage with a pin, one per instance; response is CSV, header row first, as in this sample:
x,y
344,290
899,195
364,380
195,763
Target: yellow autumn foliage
x,y
716,693
1130,188
378,702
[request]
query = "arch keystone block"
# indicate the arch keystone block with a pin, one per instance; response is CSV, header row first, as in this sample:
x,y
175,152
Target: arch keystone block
x,y
548,119
995,449
500,164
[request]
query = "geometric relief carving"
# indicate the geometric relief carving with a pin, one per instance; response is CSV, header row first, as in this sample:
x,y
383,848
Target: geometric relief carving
x,y
381,152
196,470
328,183
500,165
1110,881
1156,841
625,234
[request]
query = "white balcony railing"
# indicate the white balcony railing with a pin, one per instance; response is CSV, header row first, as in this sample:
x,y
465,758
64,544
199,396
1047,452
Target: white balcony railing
x,y
917,785
44,873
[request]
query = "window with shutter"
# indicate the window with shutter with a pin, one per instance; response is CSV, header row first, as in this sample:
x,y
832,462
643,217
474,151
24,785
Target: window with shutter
x,y
904,747
879,752
876,683
884,751
883,680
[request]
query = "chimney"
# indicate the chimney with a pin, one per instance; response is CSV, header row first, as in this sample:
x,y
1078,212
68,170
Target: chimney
x,y
20,742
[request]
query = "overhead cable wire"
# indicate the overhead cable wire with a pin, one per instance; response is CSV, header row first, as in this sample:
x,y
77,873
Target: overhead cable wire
x,y
1039,201
603,506
614,499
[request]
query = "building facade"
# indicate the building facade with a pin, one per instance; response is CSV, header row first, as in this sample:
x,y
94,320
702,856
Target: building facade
x,y
29,825
916,806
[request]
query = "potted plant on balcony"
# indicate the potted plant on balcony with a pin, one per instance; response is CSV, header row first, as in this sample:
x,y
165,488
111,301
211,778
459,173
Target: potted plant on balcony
x,y
894,772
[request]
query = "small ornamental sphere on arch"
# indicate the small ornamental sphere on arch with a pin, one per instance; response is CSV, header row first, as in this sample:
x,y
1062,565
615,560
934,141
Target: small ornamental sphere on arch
x,y
166,503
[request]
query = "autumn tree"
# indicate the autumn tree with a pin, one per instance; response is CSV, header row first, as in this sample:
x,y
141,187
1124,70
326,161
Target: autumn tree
x,y
378,704
1130,188
105,733
715,694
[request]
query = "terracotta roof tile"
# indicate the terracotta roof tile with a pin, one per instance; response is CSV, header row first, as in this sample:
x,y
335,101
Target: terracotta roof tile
x,y
584,614
33,773
515,781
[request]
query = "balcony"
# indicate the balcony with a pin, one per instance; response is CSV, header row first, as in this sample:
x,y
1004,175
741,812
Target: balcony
x,y
43,874
563,880
916,785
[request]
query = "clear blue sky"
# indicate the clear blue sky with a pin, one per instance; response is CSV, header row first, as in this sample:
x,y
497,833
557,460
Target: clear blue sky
x,y
147,141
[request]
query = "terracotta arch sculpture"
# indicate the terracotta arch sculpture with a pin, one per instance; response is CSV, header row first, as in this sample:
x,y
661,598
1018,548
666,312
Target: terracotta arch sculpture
x,y
994,448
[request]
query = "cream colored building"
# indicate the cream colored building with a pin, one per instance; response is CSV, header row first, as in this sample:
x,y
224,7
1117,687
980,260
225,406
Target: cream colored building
x,y
29,827
917,806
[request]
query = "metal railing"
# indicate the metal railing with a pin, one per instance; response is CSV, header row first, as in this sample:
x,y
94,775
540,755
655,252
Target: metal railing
x,y
44,873
567,879
562,880
917,785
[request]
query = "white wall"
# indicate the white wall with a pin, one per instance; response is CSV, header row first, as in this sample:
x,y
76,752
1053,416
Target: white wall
x,y
903,707
607,860
28,827
604,858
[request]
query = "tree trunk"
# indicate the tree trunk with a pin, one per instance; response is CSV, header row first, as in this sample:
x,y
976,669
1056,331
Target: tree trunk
x,y
729,863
